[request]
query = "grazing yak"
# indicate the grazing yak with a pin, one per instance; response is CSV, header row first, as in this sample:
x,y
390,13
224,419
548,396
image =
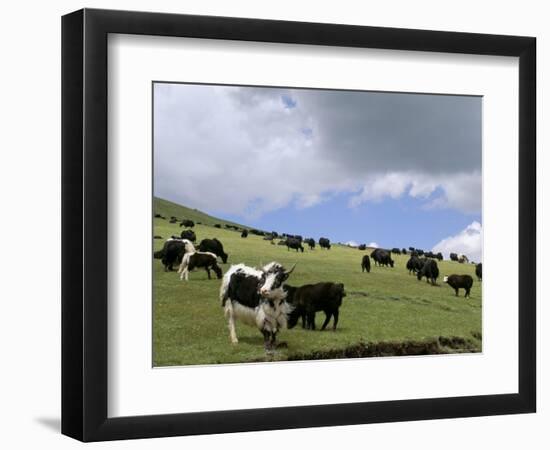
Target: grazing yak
x,y
414,264
213,246
324,243
404,251
365,264
310,242
430,271
194,260
189,235
396,251
439,256
294,243
381,257
478,271
217,225
362,247
463,259
453,257
308,299
172,252
244,233
187,223
460,281
157,237
282,242
256,297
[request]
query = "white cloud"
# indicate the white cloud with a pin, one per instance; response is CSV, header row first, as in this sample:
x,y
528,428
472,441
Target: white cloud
x,y
245,151
373,245
461,191
468,242
352,244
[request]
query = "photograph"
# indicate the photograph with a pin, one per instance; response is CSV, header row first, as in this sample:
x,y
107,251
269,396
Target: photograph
x,y
304,224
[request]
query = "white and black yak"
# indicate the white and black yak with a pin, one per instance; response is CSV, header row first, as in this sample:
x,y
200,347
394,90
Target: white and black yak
x,y
256,297
194,260
308,299
463,259
172,252
460,281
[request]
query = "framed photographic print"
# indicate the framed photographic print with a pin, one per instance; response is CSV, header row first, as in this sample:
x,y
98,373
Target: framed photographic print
x,y
273,224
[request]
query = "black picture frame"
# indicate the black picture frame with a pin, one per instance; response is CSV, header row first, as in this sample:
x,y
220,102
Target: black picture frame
x,y
84,224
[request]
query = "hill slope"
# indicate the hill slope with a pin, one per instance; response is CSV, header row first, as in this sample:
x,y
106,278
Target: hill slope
x,y
169,209
385,312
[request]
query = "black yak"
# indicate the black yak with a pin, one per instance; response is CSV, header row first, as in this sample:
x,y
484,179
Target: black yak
x,y
460,281
310,242
295,244
173,252
478,271
189,235
308,299
414,264
213,246
430,270
365,264
324,243
381,257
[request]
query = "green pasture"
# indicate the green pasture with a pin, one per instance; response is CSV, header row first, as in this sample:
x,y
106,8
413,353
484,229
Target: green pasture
x,y
383,306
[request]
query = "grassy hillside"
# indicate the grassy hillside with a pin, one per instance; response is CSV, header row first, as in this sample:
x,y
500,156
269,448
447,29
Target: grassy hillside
x,y
385,312
168,209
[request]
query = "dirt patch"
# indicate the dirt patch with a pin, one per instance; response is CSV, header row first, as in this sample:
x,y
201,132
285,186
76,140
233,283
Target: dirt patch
x,y
358,293
477,335
435,346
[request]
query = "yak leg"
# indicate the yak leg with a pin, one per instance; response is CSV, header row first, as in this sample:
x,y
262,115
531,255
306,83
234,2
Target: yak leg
x,y
467,294
335,314
230,321
311,320
456,292
208,272
268,345
327,318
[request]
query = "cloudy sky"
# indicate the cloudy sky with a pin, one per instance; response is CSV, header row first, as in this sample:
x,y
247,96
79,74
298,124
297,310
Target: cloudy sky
x,y
393,169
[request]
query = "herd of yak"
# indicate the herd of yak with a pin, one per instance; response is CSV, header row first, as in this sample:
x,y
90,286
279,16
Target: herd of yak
x,y
263,298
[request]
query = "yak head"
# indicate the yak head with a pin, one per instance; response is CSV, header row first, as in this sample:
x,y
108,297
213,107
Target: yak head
x,y
273,277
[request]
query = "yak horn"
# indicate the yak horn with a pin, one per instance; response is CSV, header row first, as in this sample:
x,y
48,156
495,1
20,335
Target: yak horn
x,y
288,272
